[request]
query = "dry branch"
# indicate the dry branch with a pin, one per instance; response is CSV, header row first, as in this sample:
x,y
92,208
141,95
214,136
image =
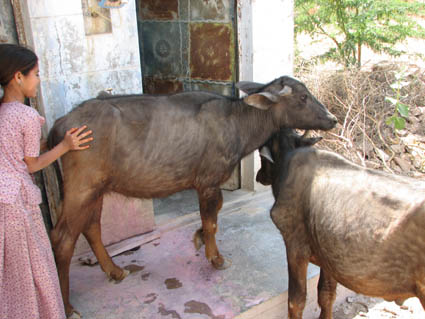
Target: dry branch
x,y
357,98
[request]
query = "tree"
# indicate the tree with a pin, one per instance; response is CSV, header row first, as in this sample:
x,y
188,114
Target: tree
x,y
352,24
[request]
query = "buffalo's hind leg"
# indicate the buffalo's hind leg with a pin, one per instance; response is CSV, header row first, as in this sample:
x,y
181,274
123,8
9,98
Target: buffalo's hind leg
x,y
326,294
210,202
92,232
420,293
72,221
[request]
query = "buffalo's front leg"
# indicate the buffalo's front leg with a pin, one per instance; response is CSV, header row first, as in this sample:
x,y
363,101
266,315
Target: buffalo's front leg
x,y
210,202
92,232
297,290
326,294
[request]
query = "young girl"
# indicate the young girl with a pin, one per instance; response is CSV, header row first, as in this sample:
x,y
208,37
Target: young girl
x,y
29,287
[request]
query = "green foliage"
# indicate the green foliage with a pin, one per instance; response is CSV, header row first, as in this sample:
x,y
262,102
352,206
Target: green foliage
x,y
352,24
399,108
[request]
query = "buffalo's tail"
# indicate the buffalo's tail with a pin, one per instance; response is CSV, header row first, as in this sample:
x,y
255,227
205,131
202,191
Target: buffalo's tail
x,y
56,134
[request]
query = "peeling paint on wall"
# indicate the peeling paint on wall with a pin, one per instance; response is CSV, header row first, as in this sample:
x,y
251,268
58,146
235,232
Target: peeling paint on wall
x,y
217,10
7,23
3,36
97,20
74,66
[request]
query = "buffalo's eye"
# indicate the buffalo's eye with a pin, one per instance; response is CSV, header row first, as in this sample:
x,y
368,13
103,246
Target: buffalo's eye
x,y
304,97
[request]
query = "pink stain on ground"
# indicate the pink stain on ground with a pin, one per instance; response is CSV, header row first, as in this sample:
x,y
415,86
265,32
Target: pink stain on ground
x,y
144,293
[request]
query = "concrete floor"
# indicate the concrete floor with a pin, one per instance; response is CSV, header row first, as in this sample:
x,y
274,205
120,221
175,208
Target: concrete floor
x,y
170,279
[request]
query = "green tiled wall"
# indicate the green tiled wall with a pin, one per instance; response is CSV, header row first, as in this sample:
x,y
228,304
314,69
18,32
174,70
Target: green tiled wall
x,y
187,45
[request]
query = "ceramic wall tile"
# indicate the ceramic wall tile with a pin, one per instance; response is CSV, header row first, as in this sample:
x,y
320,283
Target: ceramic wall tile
x,y
161,86
162,52
159,9
211,51
184,41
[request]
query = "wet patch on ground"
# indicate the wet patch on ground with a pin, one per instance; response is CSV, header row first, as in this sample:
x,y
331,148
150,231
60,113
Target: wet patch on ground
x,y
173,283
194,306
164,312
134,268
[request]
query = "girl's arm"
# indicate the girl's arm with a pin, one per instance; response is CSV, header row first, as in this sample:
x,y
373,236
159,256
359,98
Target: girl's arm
x,y
72,141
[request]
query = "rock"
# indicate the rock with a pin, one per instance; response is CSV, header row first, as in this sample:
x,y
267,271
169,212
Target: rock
x,y
397,148
381,154
419,163
373,164
402,132
404,165
350,299
416,111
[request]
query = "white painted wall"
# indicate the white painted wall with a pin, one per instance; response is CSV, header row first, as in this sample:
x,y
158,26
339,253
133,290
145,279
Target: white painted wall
x,y
266,52
273,38
75,67
7,23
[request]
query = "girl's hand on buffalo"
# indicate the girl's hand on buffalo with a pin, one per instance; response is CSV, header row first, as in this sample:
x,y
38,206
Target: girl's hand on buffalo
x,y
75,138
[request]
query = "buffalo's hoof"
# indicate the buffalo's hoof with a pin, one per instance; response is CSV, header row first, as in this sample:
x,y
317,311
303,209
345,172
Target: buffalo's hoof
x,y
399,302
198,239
124,274
74,315
221,263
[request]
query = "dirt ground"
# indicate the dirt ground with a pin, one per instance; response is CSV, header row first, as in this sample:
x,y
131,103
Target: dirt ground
x,y
360,307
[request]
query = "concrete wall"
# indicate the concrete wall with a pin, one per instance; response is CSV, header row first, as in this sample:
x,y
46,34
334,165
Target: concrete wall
x,y
7,26
273,39
7,23
266,52
75,66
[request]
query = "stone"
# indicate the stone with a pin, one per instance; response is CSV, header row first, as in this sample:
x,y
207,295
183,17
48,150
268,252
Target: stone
x,y
404,165
397,148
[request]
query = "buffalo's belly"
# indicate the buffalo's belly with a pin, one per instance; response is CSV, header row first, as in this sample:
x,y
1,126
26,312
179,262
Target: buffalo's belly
x,y
148,193
387,285
152,184
375,266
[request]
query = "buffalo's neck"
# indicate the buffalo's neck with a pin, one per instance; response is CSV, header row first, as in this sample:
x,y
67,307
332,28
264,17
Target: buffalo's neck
x,y
254,126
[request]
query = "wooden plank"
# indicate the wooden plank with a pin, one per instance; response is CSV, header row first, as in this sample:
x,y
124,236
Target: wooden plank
x,y
277,307
118,248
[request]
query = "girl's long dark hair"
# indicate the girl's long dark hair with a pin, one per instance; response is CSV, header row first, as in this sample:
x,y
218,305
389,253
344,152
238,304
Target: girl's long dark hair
x,y
15,58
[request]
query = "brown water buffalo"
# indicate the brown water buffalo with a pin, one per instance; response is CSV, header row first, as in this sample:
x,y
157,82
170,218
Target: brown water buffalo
x,y
152,146
363,227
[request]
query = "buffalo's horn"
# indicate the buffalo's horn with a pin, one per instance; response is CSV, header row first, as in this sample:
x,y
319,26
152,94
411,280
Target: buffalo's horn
x,y
265,152
306,134
286,90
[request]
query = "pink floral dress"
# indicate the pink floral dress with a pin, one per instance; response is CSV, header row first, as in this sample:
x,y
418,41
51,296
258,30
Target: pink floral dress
x,y
29,284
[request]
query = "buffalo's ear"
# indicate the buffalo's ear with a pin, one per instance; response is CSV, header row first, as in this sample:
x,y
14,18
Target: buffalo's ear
x,y
265,152
249,87
262,100
309,141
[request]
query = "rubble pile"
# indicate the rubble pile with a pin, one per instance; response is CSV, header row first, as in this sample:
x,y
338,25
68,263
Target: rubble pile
x,y
361,100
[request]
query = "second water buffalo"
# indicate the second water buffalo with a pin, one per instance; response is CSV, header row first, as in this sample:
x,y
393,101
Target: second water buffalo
x,y
364,228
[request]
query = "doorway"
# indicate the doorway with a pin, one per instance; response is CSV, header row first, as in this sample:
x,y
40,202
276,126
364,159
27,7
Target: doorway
x,y
189,45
